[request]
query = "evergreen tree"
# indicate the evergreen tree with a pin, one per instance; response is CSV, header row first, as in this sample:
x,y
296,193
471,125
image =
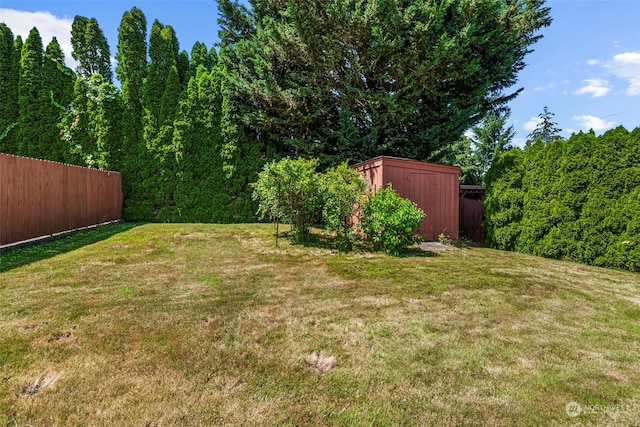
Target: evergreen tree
x,y
58,81
31,132
243,155
163,55
183,69
90,48
131,71
201,194
461,154
546,131
491,139
161,96
91,128
9,77
200,56
395,78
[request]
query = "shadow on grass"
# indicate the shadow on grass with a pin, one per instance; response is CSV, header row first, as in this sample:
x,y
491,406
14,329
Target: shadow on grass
x,y
418,253
326,241
17,257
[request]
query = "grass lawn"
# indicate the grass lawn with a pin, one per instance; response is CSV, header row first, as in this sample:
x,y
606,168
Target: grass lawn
x,y
206,325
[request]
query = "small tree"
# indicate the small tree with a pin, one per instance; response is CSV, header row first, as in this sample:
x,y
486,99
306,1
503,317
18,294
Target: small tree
x,y
288,191
389,221
343,190
546,131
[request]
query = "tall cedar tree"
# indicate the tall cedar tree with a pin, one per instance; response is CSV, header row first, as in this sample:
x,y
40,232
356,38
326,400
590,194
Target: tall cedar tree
x,y
33,141
131,71
160,97
201,194
392,77
57,88
9,77
90,48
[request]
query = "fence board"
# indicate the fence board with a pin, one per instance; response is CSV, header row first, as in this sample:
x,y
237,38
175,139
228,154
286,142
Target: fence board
x,y
40,198
471,212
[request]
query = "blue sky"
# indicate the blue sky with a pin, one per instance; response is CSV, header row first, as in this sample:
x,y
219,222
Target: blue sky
x,y
586,68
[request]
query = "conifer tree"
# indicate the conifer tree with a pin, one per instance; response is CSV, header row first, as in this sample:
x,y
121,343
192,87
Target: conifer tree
x,y
546,131
9,77
91,128
491,139
131,71
90,48
200,56
57,89
32,135
394,78
201,190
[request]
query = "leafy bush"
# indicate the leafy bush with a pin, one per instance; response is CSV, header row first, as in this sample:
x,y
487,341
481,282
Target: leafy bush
x,y
343,190
288,191
389,221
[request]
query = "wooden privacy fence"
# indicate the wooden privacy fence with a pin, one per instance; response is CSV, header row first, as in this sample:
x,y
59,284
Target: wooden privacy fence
x,y
471,212
40,198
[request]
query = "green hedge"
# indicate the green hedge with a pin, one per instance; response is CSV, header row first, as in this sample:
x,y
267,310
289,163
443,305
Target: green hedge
x,y
577,199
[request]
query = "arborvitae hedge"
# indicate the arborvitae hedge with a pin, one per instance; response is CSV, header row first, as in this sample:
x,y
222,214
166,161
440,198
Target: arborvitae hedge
x,y
577,199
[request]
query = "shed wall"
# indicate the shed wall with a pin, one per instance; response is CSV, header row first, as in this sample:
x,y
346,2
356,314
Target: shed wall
x,y
39,198
434,188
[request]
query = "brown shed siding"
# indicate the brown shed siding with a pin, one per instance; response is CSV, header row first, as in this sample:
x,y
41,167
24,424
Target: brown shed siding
x,y
434,188
39,198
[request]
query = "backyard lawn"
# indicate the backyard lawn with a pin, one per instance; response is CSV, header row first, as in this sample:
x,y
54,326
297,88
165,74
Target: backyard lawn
x,y
206,325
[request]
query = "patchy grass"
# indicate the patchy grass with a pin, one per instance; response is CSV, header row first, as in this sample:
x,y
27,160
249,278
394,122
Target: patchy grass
x,y
197,325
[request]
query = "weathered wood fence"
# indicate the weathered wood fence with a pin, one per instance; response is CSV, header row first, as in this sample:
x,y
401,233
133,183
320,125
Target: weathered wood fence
x,y
471,212
40,198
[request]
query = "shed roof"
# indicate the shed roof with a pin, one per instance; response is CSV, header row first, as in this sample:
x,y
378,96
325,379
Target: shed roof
x,y
417,164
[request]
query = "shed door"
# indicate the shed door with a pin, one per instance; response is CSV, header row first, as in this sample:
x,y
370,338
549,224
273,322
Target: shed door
x,y
422,188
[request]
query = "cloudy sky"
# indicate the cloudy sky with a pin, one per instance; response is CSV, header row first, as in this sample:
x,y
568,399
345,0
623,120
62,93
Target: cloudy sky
x,y
586,69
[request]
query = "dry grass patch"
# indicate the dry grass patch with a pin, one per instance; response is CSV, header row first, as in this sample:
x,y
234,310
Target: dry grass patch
x,y
197,325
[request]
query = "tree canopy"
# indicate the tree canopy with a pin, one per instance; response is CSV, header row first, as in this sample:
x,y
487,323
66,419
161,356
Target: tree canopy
x,y
392,77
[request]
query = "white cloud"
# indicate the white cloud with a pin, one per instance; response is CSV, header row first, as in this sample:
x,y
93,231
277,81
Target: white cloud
x,y
48,26
593,62
548,86
595,87
532,123
627,66
587,122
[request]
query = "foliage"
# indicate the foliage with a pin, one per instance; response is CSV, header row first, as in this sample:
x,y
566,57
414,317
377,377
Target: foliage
x,y
575,199
381,81
131,71
57,86
90,48
504,199
461,154
91,128
288,191
31,98
546,130
9,77
343,190
491,139
389,221
201,188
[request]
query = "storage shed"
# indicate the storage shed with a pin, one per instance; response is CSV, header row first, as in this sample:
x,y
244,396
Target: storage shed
x,y
434,188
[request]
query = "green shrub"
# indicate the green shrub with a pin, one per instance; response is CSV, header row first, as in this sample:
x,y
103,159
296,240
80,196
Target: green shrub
x,y
287,191
389,221
343,191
